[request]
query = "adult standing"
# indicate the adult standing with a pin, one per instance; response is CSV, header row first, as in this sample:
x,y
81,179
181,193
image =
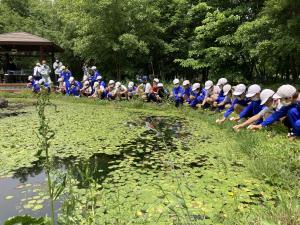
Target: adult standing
x,y
57,68
45,71
36,73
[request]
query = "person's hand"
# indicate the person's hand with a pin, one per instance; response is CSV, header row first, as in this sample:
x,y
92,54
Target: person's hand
x,y
237,128
220,121
233,119
254,127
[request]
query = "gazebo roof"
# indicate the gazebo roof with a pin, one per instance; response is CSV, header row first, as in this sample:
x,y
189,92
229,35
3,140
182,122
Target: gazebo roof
x,y
23,41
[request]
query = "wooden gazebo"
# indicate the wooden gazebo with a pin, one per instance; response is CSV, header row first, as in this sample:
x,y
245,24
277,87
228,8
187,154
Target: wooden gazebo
x,y
22,44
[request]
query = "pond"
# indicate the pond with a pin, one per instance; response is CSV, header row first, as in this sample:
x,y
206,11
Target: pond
x,y
25,192
143,163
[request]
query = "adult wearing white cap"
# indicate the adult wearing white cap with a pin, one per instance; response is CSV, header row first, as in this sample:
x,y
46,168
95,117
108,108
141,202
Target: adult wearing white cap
x,y
290,109
266,97
187,90
238,104
177,93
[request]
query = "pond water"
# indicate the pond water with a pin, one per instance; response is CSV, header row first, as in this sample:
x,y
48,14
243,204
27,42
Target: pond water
x,y
26,192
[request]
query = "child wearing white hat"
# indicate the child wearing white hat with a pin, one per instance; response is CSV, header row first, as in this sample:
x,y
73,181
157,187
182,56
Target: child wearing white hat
x,y
290,109
187,90
238,104
254,107
227,92
197,95
211,94
177,94
266,97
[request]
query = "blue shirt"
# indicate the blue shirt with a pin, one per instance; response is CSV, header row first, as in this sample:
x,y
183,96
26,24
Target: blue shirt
x,y
73,89
187,91
283,111
221,97
66,75
252,109
178,91
242,102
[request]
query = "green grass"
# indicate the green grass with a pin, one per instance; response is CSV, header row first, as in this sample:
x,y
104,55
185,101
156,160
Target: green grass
x,y
246,177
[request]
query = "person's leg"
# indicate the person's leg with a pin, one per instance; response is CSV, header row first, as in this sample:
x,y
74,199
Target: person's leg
x,y
178,101
194,102
238,108
294,120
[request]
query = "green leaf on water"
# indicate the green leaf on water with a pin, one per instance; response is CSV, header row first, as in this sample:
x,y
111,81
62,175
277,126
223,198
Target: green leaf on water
x,y
9,197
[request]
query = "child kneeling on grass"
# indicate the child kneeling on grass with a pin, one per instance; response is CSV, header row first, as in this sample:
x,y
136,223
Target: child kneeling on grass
x,y
290,109
266,97
238,104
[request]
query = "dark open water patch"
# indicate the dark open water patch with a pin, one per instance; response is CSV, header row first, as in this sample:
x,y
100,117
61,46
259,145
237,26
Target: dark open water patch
x,y
10,114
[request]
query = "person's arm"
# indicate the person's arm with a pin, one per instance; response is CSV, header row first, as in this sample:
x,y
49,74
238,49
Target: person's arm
x,y
248,122
246,111
275,116
230,110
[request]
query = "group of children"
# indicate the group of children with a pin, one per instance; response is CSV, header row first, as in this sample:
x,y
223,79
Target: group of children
x,y
254,108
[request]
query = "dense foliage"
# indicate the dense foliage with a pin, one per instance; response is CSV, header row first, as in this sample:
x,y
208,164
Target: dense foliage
x,y
244,40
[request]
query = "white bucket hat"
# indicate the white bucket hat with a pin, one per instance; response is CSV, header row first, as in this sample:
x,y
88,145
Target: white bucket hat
x,y
71,79
118,84
98,78
239,89
186,82
226,89
111,82
130,84
156,80
94,68
195,86
208,84
30,78
265,95
160,85
253,90
285,91
176,81
222,81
